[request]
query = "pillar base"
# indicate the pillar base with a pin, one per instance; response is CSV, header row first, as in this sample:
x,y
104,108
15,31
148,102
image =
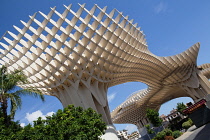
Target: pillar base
x,y
110,134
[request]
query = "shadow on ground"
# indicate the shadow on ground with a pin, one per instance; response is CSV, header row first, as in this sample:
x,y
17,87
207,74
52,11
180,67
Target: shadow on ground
x,y
202,133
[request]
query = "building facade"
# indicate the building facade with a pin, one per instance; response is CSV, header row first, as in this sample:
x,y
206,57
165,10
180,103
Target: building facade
x,y
122,134
134,136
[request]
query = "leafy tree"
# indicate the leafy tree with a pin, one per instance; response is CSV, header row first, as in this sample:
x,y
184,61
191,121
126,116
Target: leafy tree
x,y
160,136
176,134
153,117
8,83
168,132
180,107
8,132
68,124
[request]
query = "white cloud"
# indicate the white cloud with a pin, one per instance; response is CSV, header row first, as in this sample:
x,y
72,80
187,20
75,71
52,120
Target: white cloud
x,y
35,115
161,7
131,128
111,97
49,113
22,124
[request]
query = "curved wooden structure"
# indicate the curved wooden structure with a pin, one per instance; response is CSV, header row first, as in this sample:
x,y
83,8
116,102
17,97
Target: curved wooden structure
x,y
77,55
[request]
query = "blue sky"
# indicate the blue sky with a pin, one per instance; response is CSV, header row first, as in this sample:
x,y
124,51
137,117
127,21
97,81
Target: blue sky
x,y
170,27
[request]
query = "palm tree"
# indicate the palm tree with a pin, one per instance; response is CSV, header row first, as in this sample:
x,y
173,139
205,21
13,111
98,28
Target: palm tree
x,y
9,93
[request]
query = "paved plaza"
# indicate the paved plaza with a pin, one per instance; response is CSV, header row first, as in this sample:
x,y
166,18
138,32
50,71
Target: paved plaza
x,y
193,133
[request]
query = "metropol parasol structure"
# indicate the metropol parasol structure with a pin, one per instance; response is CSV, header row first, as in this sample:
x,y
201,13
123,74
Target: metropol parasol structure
x,y
77,55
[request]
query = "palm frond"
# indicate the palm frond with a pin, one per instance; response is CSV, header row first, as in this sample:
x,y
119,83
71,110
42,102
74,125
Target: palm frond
x,y
18,74
15,102
31,92
10,80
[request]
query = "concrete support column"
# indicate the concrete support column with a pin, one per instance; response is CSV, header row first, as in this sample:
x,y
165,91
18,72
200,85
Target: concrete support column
x,y
190,94
110,134
81,95
141,126
204,82
89,95
142,130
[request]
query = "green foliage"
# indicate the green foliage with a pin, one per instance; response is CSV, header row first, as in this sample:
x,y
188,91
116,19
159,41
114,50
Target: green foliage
x,y
149,130
7,94
147,126
180,107
160,136
176,134
71,123
153,116
168,132
187,124
190,121
7,133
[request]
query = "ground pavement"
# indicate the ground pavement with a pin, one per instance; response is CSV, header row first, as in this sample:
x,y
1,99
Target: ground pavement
x,y
193,133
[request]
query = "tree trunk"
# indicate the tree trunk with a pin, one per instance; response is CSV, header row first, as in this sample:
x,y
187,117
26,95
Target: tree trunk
x,y
4,111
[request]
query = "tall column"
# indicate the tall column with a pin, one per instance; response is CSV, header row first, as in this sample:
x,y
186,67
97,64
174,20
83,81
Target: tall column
x,y
89,95
204,82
